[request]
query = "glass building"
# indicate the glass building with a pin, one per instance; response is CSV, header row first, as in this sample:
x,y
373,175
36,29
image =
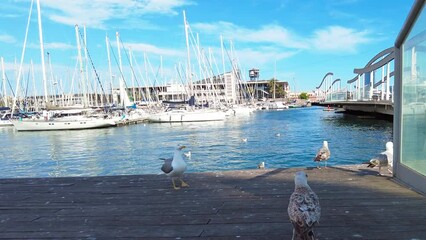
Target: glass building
x,y
410,100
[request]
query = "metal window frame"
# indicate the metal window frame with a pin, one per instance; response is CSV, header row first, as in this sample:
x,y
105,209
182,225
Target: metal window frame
x,y
403,173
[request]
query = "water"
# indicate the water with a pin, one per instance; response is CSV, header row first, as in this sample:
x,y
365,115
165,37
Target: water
x,y
215,146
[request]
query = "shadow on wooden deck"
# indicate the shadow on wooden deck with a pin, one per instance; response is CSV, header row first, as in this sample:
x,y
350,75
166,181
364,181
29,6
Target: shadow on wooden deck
x,y
251,204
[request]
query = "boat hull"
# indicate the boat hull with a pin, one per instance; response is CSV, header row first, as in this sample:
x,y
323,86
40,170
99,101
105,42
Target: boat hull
x,y
187,116
51,125
5,123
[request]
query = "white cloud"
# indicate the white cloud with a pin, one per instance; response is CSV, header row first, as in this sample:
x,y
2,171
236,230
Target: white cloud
x,y
255,58
96,13
59,46
272,34
148,48
52,46
339,39
5,38
329,39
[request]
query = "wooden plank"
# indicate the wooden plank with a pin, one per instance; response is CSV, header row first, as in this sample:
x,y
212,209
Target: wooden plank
x,y
249,204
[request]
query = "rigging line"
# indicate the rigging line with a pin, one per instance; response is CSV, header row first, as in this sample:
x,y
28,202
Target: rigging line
x,y
128,59
118,65
10,86
93,66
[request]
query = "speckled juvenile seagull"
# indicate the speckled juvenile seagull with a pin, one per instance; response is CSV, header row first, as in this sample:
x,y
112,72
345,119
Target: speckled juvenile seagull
x,y
175,167
384,159
303,209
323,154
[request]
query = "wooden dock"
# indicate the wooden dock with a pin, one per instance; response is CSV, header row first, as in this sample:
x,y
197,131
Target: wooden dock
x,y
251,204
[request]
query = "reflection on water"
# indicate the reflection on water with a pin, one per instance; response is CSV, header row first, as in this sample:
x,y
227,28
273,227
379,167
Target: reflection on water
x,y
279,138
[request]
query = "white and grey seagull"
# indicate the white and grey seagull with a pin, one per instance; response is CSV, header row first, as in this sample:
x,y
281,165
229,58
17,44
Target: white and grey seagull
x,y
323,154
303,209
384,159
175,167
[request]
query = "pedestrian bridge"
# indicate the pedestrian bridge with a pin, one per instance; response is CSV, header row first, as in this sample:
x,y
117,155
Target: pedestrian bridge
x,y
370,91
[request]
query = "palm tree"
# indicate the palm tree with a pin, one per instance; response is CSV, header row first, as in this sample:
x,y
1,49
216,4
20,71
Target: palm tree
x,y
275,89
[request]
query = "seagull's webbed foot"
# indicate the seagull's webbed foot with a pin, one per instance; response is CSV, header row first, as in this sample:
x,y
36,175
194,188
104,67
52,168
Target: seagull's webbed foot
x,y
174,185
183,184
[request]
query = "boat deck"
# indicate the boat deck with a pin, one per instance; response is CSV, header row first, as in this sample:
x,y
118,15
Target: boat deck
x,y
250,204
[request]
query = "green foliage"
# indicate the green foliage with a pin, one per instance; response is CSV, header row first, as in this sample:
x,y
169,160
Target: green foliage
x,y
304,95
273,85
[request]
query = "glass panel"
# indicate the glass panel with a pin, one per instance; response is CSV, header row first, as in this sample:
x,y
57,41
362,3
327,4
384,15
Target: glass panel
x,y
413,148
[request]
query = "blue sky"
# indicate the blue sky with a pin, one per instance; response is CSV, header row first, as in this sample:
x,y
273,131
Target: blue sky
x,y
296,41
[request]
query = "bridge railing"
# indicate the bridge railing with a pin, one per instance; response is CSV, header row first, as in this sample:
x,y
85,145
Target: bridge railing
x,y
372,82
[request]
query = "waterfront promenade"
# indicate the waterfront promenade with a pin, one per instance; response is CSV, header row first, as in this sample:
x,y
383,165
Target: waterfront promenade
x,y
251,204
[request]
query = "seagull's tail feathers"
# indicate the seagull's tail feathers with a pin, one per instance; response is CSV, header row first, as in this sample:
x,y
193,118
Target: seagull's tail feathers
x,y
372,163
308,235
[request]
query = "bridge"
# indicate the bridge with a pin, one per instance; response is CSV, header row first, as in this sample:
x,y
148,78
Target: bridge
x,y
369,92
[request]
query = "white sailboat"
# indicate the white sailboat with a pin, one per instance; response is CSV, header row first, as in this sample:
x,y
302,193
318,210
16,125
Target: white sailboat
x,y
49,121
187,115
62,124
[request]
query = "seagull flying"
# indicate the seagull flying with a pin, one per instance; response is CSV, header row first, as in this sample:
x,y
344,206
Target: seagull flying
x,y
175,167
244,139
323,154
303,209
384,159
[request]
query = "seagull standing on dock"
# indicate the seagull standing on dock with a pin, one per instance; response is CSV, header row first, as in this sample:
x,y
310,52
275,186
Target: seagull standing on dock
x,y
175,167
384,159
303,209
323,155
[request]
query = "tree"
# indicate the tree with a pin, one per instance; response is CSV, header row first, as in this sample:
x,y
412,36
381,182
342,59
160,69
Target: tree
x,y
304,95
275,87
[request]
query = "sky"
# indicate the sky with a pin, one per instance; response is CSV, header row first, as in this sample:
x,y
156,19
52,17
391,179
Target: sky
x,y
290,40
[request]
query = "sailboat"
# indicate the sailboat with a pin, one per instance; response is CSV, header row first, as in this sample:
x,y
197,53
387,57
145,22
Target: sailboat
x,y
49,120
188,112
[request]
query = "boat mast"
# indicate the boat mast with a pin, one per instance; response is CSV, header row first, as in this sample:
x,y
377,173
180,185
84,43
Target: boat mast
x,y
133,75
117,35
80,60
43,68
22,60
3,76
188,70
223,56
34,88
275,79
109,65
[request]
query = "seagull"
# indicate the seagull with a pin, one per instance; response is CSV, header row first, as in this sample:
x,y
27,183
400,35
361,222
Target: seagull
x,y
175,167
277,134
303,209
187,154
383,159
261,165
322,155
244,139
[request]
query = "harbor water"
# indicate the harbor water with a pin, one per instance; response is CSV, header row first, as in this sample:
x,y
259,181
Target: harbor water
x,y
281,139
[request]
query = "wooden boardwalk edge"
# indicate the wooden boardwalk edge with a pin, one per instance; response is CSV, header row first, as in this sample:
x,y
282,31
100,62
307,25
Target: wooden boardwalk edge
x,y
248,204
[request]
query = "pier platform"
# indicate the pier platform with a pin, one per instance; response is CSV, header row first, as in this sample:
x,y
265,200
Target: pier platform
x,y
252,204
376,108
